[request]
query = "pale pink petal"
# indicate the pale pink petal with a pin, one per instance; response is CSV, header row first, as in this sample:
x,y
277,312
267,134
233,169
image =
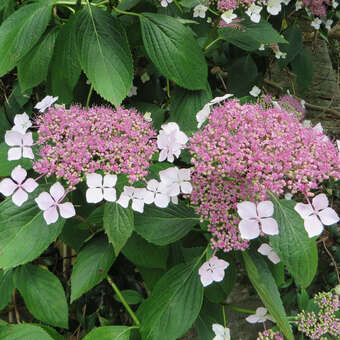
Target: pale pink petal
x,y
304,210
252,318
30,185
51,215
14,154
313,226
94,195
181,137
94,180
44,201
218,329
152,185
320,202
19,197
170,157
206,279
174,199
249,229
169,175
203,114
110,181
218,263
148,197
186,187
66,210
218,275
328,216
265,249
110,194
269,226
247,210
137,205
27,152
7,187
184,174
13,138
162,200
261,311
272,256
27,139
124,200
57,191
265,209
19,174
163,155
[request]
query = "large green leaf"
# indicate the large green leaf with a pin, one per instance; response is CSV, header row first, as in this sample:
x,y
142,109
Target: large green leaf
x,y
21,31
43,294
91,267
296,250
264,283
302,66
184,106
24,331
165,225
173,49
109,333
104,53
65,59
152,256
33,68
173,305
118,224
6,288
24,234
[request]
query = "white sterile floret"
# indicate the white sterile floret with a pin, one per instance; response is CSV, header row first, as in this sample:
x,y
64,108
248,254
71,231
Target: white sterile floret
x,y
177,181
20,187
280,55
328,24
145,76
221,333
159,191
170,140
200,11
288,196
100,188
316,23
22,145
212,271
286,2
298,5
147,116
266,250
254,13
138,196
228,16
319,130
45,103
21,123
255,91
335,4
260,316
274,7
132,92
262,47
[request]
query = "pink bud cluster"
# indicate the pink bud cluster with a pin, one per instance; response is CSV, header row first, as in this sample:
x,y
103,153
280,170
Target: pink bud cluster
x,y
232,4
269,334
245,150
292,105
317,7
325,321
76,142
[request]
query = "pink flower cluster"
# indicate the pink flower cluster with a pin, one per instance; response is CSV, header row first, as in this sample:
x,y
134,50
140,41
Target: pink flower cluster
x,y
316,325
269,334
317,7
292,105
245,150
232,4
76,142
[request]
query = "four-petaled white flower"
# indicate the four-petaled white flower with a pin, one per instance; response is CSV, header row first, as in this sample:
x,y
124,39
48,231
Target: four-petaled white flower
x,y
260,316
45,103
266,250
255,215
328,24
20,187
159,191
21,123
316,23
335,4
200,11
254,13
317,214
274,7
170,140
138,196
49,202
176,180
255,91
221,333
100,188
145,76
212,270
228,16
22,143
165,3
133,91
147,117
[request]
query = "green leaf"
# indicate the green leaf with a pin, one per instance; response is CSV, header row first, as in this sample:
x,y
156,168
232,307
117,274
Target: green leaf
x,y
152,256
91,267
24,331
132,297
33,68
173,49
52,332
43,294
21,31
65,58
264,283
157,113
165,225
24,234
109,333
104,53
173,305
118,224
6,288
302,67
296,250
151,276
184,105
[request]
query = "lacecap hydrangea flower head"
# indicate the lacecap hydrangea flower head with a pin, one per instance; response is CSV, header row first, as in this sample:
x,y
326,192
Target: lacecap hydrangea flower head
x,y
245,150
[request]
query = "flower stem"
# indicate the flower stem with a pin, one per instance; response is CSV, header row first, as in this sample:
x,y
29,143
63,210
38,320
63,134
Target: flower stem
x,y
89,96
123,301
125,12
